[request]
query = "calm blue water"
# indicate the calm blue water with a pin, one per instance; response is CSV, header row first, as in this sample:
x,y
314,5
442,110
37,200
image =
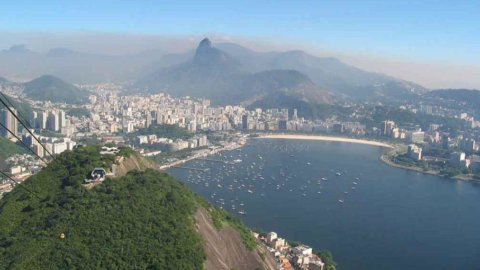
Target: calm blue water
x,y
390,219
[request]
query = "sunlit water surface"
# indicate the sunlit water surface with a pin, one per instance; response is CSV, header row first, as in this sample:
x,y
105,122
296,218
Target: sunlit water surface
x,y
368,214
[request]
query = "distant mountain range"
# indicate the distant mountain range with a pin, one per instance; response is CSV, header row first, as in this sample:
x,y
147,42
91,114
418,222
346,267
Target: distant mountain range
x,y
226,73
326,72
217,75
20,63
53,89
246,75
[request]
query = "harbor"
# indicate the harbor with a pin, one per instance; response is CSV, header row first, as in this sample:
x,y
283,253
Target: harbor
x,y
327,195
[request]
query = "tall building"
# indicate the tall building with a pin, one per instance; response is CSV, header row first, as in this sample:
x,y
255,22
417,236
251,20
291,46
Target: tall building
x,y
338,128
53,121
61,119
414,152
42,120
245,121
33,119
282,124
445,140
475,163
467,144
388,127
148,120
457,158
159,118
10,122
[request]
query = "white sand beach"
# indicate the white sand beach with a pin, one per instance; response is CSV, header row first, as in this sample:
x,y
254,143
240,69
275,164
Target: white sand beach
x,y
322,138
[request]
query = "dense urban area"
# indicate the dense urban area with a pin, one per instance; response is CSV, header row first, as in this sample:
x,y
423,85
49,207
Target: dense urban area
x,y
436,136
433,137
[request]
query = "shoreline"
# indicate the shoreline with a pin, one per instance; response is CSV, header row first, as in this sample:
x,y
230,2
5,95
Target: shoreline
x,y
202,154
386,158
322,138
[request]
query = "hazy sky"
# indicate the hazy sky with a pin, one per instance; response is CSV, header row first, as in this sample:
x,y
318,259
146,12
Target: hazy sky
x,y
416,38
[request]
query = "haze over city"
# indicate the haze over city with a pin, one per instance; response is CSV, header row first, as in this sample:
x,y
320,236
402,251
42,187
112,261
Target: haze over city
x,y
429,42
219,135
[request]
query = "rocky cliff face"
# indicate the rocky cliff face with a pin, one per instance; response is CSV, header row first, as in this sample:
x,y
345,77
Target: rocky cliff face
x,y
225,248
134,162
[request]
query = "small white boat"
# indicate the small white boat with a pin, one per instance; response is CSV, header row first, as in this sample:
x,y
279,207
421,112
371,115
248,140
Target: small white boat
x,y
340,201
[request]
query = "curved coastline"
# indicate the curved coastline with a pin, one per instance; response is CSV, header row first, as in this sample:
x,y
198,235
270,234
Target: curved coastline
x,y
323,138
385,158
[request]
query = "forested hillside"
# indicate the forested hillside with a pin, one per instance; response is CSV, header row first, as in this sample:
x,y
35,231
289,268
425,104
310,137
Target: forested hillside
x,y
144,220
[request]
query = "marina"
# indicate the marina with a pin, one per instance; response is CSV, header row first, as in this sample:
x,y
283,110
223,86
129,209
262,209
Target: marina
x,y
346,201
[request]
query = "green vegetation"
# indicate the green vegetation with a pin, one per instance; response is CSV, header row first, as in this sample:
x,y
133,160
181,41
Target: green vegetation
x,y
166,157
78,112
441,168
53,89
404,118
9,148
90,140
306,109
144,220
165,131
327,258
126,151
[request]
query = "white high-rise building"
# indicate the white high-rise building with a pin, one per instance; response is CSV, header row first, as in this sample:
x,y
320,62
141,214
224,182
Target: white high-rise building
x,y
148,120
10,122
61,119
42,120
33,119
53,122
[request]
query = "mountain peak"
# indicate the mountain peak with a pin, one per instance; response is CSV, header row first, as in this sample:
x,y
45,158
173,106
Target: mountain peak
x,y
205,43
18,48
51,88
204,47
208,55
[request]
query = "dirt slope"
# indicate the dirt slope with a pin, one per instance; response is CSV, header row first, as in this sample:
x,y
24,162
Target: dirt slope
x,y
225,249
134,162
